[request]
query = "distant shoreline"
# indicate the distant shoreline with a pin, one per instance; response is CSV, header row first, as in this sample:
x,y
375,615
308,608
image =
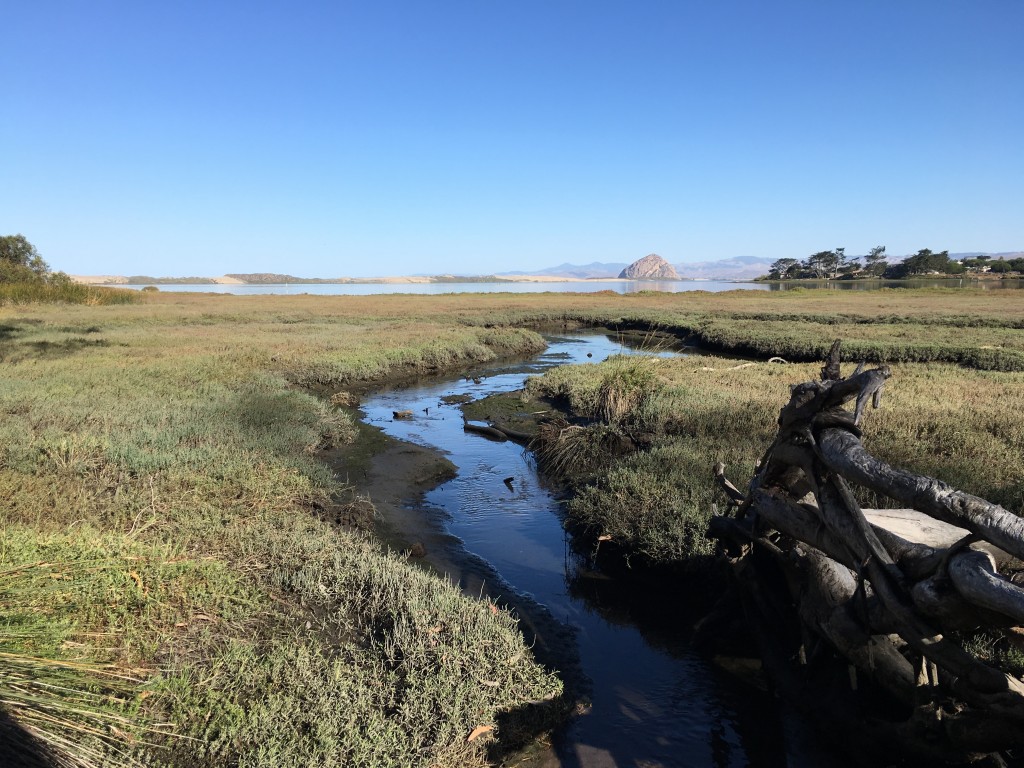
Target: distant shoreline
x,y
114,280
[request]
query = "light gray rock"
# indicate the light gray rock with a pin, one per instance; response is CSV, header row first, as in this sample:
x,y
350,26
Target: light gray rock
x,y
650,267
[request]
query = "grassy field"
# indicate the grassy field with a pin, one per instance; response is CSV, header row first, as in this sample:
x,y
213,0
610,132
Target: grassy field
x,y
169,581
961,425
162,543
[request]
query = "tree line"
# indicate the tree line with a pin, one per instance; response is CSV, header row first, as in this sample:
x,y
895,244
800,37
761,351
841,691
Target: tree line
x,y
836,265
20,262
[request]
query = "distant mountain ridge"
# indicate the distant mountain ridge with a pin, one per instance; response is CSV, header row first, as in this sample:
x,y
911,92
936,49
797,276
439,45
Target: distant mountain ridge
x,y
740,268
581,271
735,268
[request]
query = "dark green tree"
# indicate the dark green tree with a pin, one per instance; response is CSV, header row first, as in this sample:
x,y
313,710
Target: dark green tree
x,y
20,262
926,262
825,265
922,262
783,269
875,263
821,264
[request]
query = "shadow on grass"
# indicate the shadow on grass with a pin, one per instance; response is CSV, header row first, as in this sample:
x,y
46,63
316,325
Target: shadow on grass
x,y
20,749
55,349
12,350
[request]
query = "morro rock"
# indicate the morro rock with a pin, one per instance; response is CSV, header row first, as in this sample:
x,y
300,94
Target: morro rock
x,y
650,267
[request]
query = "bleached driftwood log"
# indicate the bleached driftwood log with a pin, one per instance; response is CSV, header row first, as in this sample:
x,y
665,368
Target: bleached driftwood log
x,y
884,592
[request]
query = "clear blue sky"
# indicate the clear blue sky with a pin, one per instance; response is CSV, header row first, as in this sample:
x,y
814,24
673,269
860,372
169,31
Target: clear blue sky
x,y
473,136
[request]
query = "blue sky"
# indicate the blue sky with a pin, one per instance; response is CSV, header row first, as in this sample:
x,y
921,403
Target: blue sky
x,y
386,138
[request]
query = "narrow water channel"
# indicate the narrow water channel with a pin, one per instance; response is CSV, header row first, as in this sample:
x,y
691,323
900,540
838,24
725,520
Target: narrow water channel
x,y
654,702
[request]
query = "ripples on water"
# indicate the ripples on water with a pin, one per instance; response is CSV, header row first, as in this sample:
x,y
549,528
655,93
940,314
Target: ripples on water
x,y
654,701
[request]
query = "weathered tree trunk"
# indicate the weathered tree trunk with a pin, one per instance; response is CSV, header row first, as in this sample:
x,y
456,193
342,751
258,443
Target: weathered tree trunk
x,y
843,452
885,602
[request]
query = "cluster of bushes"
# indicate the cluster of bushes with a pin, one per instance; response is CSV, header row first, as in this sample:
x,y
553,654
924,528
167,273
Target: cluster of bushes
x,y
634,488
25,278
20,262
998,266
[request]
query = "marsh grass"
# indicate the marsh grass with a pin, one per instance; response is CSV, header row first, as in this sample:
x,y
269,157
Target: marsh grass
x,y
963,426
161,456
167,473
988,347
68,293
573,451
998,648
626,385
77,708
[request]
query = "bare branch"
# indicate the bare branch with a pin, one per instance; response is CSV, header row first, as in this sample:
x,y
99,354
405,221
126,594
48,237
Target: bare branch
x,y
844,453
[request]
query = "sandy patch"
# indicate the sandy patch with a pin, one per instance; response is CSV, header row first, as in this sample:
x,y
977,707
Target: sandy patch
x,y
99,279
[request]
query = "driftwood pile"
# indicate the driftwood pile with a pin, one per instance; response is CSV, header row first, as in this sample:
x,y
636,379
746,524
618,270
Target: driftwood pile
x,y
860,624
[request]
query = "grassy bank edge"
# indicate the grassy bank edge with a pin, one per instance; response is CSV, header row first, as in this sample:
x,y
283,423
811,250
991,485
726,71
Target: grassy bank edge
x,y
224,623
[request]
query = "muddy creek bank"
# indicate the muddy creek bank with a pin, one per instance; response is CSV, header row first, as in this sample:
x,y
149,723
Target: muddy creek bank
x,y
477,511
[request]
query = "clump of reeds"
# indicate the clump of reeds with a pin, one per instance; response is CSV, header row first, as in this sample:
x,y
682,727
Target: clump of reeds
x,y
64,292
72,711
57,709
578,452
628,381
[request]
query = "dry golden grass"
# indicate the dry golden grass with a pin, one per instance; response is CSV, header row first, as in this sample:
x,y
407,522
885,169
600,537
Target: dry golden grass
x,y
159,458
161,452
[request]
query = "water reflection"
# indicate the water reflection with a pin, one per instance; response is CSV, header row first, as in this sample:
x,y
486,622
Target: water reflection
x,y
655,702
874,285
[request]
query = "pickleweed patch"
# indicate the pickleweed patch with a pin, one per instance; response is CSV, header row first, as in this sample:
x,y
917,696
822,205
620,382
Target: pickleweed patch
x,y
163,496
161,528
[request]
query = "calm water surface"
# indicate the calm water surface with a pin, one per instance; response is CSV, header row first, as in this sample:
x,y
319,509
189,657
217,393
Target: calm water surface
x,y
655,702
619,286
371,289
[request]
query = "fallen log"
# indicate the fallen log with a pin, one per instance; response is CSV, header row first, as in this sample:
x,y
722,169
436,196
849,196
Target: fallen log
x,y
974,575
485,430
513,434
883,589
843,452
829,597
